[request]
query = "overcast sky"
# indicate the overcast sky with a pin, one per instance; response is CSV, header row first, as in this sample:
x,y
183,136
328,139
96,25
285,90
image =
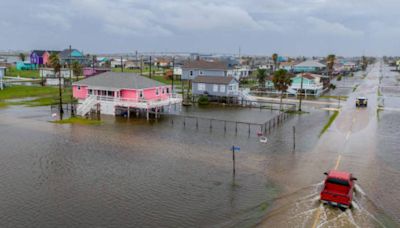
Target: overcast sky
x,y
288,27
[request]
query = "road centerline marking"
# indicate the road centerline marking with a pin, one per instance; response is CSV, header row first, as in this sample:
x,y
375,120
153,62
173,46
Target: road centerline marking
x,y
317,218
338,162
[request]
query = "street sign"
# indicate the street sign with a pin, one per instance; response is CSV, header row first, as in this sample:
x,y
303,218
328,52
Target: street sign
x,y
235,148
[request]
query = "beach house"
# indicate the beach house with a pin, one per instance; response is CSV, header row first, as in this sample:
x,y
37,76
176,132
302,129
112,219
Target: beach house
x,y
215,86
118,93
312,84
194,68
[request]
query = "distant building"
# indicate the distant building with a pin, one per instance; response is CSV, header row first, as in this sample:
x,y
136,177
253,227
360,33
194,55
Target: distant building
x,y
46,56
398,64
240,72
310,66
215,86
194,68
51,78
2,74
68,56
349,66
90,71
36,57
27,65
312,84
288,66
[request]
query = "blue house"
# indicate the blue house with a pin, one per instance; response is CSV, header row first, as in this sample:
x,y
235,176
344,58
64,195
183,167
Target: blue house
x,y
194,68
215,86
68,56
27,65
309,66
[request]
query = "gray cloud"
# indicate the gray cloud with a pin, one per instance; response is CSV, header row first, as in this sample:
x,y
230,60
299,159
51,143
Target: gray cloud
x,y
292,27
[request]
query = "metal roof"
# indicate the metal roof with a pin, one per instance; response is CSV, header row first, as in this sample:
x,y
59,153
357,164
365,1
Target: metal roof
x,y
310,63
115,80
201,64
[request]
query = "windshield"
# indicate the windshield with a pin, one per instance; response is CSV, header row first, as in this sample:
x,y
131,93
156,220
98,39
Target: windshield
x,y
338,181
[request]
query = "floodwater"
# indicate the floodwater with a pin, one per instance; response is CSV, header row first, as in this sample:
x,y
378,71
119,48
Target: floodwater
x,y
131,173
134,173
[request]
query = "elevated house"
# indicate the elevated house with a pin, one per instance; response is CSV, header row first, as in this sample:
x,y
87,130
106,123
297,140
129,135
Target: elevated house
x,y
240,72
312,84
194,68
309,66
68,56
215,86
118,93
50,78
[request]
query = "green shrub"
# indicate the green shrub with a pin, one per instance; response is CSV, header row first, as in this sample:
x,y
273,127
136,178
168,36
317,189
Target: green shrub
x,y
339,78
203,100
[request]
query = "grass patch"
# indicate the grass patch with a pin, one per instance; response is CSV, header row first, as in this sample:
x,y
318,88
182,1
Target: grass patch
x,y
78,120
3,104
342,98
330,121
43,96
379,92
296,112
355,88
13,72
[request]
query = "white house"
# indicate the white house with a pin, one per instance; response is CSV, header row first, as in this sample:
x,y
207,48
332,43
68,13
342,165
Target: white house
x,y
239,72
52,79
2,74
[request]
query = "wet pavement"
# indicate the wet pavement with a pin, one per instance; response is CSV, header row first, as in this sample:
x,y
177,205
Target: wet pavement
x,y
358,142
132,173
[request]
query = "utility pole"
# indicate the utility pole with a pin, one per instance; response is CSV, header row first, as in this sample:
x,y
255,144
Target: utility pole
x,y
294,138
70,77
141,65
173,67
150,68
301,95
122,65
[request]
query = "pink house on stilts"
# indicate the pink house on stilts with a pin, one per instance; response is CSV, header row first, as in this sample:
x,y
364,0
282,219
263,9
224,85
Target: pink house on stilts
x,y
117,93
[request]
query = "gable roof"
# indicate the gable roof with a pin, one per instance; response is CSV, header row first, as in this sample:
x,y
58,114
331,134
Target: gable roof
x,y
38,52
213,79
309,76
66,53
310,63
116,80
201,64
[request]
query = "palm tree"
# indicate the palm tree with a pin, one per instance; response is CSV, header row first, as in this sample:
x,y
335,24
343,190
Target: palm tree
x,y
330,60
55,64
261,76
76,69
22,57
364,62
275,59
282,81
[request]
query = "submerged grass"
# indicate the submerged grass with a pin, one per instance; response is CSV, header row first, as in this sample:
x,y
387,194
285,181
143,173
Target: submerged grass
x,y
330,121
43,96
78,120
342,98
355,88
296,112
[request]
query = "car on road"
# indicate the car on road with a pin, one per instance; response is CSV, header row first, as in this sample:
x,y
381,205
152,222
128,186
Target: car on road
x,y
361,102
338,189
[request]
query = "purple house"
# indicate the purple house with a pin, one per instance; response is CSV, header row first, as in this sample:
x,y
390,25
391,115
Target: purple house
x,y
37,57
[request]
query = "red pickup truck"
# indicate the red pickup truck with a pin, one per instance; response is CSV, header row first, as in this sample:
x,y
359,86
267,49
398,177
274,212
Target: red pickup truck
x,y
338,189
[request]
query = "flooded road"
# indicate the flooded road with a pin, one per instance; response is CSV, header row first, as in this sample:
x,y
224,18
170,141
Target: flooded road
x,y
357,142
132,173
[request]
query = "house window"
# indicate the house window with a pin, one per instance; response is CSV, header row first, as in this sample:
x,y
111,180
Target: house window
x,y
157,92
167,90
201,72
141,94
163,90
222,88
215,88
201,87
79,88
90,91
191,73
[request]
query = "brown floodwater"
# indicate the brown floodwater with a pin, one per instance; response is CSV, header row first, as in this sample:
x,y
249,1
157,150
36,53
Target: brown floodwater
x,y
134,173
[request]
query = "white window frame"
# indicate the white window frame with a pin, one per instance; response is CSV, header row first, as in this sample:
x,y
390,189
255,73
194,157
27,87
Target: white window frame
x,y
201,86
222,88
215,88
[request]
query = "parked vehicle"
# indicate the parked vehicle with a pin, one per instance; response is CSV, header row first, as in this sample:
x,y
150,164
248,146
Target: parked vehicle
x,y
338,189
361,102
